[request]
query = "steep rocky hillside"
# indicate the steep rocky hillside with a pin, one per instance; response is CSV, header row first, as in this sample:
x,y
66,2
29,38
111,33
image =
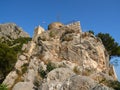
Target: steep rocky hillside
x,y
62,58
12,37
10,31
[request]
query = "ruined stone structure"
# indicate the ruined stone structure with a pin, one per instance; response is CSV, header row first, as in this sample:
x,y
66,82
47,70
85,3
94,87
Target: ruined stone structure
x,y
75,25
55,25
79,58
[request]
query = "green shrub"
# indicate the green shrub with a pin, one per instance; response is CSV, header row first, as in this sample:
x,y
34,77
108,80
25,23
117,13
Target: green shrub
x,y
50,67
91,31
8,54
18,72
8,57
76,70
42,73
113,84
3,87
24,67
20,42
110,44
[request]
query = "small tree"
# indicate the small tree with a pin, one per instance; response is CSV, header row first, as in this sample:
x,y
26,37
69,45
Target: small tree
x,y
111,46
91,31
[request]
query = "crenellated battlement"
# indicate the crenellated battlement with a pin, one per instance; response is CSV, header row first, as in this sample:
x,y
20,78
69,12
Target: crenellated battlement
x,y
75,25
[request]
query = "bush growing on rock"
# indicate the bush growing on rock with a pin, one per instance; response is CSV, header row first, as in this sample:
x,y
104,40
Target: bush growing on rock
x,y
8,58
3,87
24,68
108,41
8,54
50,67
113,84
112,47
42,73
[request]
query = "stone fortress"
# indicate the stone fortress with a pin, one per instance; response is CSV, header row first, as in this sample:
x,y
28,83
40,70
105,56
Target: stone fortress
x,y
77,27
79,57
57,25
73,25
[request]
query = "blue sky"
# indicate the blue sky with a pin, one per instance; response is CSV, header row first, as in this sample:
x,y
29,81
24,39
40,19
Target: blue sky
x,y
97,15
116,62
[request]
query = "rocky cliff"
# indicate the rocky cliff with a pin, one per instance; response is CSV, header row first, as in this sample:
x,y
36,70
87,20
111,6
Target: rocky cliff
x,y
12,37
11,31
62,58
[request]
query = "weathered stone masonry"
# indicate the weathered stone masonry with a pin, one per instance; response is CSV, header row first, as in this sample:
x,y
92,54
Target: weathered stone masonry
x,y
75,25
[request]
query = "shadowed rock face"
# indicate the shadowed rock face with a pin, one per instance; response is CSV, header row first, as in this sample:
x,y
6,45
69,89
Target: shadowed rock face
x,y
10,31
63,59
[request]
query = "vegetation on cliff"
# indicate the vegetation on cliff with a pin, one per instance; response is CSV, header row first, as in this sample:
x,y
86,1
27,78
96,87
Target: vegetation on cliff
x,y
67,45
3,87
112,47
8,55
109,42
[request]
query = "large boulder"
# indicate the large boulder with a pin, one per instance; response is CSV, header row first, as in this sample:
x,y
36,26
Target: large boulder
x,y
59,74
70,82
77,82
55,79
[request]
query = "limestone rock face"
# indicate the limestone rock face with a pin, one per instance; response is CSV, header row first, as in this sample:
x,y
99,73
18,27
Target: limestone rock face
x,y
23,86
56,78
64,59
37,32
78,82
82,49
10,79
59,74
11,31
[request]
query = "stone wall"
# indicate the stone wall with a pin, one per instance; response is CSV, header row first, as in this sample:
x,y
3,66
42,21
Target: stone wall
x,y
37,32
75,25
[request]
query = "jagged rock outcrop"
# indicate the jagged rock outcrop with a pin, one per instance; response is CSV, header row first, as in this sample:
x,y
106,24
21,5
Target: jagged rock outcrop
x,y
61,59
10,31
